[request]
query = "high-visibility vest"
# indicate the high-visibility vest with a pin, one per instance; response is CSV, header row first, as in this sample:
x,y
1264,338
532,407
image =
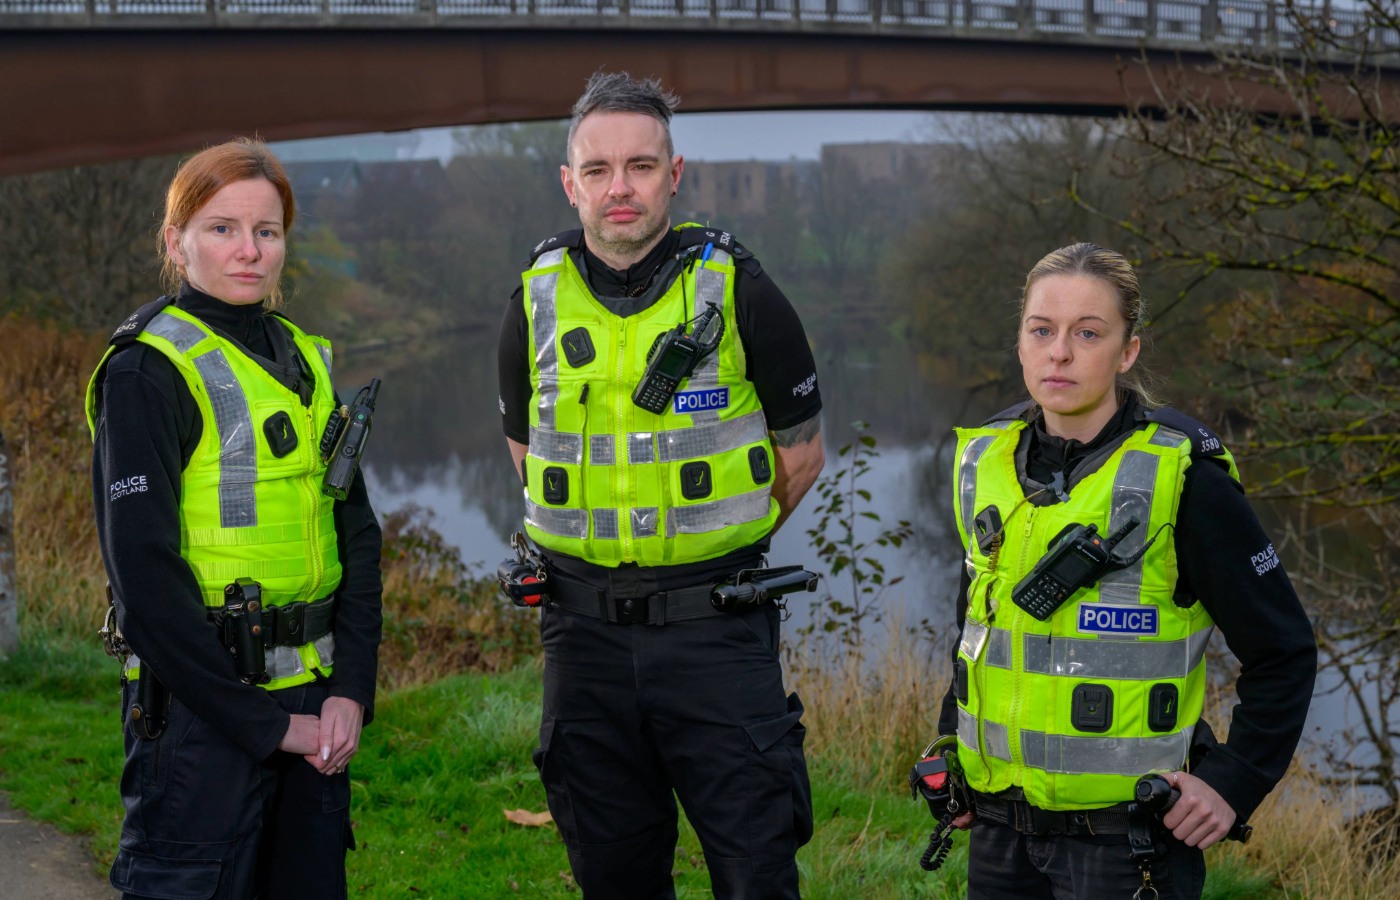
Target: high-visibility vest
x,y
1074,709
245,510
612,483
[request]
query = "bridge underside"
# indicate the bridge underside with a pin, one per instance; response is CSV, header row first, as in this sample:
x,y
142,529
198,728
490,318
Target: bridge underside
x,y
79,97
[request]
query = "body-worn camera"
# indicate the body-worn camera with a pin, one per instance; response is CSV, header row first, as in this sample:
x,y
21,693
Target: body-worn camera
x,y
674,355
243,630
1079,558
754,587
524,578
346,434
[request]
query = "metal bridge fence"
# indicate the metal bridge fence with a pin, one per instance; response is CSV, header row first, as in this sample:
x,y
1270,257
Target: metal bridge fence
x,y
1243,23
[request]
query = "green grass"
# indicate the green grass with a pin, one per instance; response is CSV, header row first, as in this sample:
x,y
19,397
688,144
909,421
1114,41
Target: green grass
x,y
435,772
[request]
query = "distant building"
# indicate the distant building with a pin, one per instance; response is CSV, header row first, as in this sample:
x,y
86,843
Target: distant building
x,y
719,191
879,161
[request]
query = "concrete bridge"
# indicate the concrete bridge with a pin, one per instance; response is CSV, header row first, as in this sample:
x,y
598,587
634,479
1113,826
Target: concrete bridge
x,y
90,80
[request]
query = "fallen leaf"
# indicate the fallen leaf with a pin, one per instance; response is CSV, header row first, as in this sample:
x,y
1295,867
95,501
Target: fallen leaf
x,y
525,817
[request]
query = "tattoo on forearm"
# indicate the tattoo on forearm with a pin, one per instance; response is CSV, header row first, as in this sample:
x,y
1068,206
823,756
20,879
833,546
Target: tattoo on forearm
x,y
798,434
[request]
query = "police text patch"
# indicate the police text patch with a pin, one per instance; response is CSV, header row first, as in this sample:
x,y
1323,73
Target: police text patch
x,y
1105,618
700,401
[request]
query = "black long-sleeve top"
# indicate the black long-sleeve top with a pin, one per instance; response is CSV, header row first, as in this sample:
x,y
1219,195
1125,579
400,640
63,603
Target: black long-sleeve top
x,y
1227,561
148,427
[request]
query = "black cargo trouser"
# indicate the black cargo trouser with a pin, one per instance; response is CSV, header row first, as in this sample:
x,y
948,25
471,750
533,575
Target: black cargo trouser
x,y
633,713
1003,864
203,820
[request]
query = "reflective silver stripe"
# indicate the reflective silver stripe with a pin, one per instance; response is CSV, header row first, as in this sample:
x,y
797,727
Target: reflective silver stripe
x,y
571,523
325,356
1103,755
999,648
641,448
605,524
544,320
132,662
238,449
556,446
1133,487
717,514
284,662
967,728
998,741
1103,658
709,288
600,450
644,521
177,331
325,649
711,440
1167,437
974,634
967,477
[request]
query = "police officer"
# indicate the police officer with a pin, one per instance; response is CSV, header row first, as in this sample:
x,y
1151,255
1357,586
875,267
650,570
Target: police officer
x,y
650,693
207,411
1057,719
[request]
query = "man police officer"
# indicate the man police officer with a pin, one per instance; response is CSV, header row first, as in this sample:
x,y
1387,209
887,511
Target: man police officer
x,y
648,689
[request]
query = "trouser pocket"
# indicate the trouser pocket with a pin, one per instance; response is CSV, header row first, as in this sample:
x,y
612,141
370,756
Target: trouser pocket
x,y
783,767
161,878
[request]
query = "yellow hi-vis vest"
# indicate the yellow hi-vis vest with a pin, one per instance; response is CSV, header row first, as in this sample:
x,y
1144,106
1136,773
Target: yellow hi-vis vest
x,y
612,483
1073,710
244,511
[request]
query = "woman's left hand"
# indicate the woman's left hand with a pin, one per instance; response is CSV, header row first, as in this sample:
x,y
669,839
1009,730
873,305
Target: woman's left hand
x,y
1200,818
341,721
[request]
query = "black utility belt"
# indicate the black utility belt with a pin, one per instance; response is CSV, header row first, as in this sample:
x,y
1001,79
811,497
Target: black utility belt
x,y
1028,819
656,609
291,625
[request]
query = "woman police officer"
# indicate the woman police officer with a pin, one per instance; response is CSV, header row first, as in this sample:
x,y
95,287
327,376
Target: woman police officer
x,y
207,411
1058,714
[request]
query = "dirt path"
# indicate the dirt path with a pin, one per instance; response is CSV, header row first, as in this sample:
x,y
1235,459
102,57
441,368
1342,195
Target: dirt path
x,y
37,862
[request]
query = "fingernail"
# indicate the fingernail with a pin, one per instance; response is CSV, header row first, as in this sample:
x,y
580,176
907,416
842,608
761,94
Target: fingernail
x,y
325,753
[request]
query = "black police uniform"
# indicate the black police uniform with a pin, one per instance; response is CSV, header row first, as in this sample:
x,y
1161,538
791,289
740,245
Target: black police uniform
x,y
1264,625
212,803
635,712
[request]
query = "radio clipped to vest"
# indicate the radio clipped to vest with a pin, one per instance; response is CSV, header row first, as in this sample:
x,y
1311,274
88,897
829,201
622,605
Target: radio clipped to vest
x,y
343,442
673,357
1078,558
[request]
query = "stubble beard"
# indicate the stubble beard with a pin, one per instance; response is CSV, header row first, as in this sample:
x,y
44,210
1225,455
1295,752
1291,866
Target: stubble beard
x,y
619,244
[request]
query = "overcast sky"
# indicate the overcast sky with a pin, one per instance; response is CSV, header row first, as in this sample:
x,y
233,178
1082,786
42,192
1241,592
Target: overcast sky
x,y
707,136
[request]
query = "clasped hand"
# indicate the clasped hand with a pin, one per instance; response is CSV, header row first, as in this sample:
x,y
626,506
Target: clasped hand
x,y
326,741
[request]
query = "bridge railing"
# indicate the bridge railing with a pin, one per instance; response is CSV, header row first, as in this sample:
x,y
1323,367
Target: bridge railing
x,y
1256,23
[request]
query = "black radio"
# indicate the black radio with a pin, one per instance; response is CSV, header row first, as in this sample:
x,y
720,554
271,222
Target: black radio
x,y
1080,557
674,355
347,441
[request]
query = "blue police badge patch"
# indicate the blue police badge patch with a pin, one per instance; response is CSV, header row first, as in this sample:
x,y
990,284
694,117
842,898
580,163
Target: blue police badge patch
x,y
1107,618
700,401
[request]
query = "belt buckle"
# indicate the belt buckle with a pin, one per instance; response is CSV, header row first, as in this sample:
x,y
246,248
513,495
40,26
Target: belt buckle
x,y
1043,822
630,610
